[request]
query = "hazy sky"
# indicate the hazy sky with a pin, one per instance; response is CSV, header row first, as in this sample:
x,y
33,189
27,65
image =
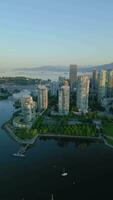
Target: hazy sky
x,y
55,32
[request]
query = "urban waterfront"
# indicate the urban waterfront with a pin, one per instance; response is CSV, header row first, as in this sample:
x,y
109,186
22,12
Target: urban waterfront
x,y
89,166
34,74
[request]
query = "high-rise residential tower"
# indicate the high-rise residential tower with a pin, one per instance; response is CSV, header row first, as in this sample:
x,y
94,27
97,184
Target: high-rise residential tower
x,y
95,78
83,93
54,86
102,85
64,99
110,83
73,77
28,107
42,100
94,85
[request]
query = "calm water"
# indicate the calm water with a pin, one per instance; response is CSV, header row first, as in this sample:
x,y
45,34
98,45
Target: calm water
x,y
89,167
44,75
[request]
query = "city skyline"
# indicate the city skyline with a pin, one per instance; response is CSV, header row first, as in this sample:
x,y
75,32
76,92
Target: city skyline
x,y
41,33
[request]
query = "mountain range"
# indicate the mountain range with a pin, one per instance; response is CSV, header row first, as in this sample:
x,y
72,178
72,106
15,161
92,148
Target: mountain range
x,y
66,68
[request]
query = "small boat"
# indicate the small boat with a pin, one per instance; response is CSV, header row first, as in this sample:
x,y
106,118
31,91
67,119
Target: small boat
x,y
64,174
18,155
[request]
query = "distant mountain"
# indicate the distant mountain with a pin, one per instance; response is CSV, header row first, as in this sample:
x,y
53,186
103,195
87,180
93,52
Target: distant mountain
x,y
46,68
99,68
105,66
54,68
84,69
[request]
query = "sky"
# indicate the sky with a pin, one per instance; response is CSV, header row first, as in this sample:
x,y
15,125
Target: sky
x,y
55,32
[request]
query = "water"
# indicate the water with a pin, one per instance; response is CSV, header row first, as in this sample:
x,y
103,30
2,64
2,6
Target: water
x,y
44,75
89,166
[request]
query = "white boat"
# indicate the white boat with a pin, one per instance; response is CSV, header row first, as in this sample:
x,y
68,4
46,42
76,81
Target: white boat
x,y
18,155
64,174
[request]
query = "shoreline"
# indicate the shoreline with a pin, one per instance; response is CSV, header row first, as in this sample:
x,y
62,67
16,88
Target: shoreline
x,y
8,130
7,127
69,136
106,142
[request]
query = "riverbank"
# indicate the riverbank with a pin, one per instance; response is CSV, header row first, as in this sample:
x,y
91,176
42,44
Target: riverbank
x,y
68,136
9,129
108,140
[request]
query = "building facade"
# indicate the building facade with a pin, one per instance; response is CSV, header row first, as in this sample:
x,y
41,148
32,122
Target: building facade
x,y
28,107
110,84
61,80
42,99
54,86
94,86
73,77
64,100
83,93
102,85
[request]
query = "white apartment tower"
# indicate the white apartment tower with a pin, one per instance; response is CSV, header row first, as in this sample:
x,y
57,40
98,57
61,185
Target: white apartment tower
x,y
42,100
64,99
102,85
83,93
73,77
28,108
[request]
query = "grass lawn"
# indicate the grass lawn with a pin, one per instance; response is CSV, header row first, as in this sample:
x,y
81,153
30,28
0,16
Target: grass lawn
x,y
108,129
25,133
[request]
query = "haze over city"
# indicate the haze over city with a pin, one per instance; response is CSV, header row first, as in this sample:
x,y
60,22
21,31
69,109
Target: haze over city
x,y
37,33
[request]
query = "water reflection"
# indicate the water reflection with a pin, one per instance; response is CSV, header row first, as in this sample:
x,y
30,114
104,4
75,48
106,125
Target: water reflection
x,y
78,143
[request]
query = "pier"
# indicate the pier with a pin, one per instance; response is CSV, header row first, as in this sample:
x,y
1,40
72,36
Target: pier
x,y
21,151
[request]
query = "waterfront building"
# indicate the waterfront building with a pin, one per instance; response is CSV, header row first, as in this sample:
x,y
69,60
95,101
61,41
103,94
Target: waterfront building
x,y
83,93
102,85
54,86
28,107
110,83
73,77
42,99
64,99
